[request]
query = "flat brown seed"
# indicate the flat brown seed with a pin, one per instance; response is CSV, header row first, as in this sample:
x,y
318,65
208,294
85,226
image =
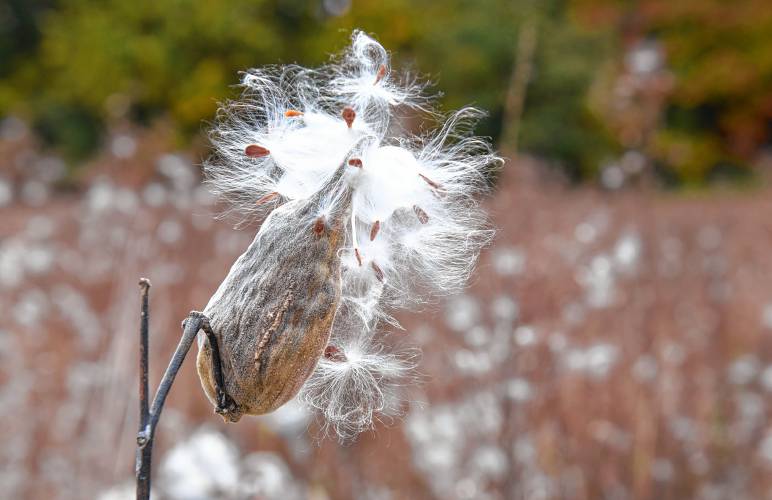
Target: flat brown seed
x,y
375,229
349,114
355,162
319,226
255,151
359,257
333,353
267,198
429,181
378,271
382,70
423,218
290,113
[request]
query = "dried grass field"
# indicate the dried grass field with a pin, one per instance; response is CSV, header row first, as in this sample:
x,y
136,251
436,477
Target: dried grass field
x,y
612,345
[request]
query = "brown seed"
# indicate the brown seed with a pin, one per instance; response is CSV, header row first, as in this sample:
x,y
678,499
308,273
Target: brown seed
x,y
378,271
267,198
334,354
349,114
359,257
423,218
355,162
255,151
375,229
382,70
319,226
290,113
430,182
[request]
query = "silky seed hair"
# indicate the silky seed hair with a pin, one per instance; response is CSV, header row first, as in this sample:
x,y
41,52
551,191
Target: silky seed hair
x,y
414,226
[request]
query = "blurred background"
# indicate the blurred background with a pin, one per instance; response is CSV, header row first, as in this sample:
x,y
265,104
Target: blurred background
x,y
616,341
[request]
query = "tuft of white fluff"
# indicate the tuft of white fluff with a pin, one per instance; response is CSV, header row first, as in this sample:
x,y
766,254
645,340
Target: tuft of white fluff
x,y
362,382
414,228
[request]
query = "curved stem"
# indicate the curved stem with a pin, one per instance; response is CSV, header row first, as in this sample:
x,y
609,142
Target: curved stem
x,y
191,327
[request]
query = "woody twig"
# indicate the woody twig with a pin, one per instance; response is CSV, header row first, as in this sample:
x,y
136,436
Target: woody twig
x,y
150,414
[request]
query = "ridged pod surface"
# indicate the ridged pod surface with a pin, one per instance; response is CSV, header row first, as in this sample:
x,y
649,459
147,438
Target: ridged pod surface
x,y
273,313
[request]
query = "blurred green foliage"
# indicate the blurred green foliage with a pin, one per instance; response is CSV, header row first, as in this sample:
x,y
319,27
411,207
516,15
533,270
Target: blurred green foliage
x,y
71,67
558,122
96,59
717,117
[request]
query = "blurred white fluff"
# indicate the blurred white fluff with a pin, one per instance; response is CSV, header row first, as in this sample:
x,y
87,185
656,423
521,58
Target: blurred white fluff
x,y
414,228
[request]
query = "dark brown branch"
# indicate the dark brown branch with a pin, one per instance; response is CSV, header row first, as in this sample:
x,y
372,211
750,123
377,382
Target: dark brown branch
x,y
143,363
149,418
144,449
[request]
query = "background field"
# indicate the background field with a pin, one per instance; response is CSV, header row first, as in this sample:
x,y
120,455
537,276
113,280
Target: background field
x,y
616,341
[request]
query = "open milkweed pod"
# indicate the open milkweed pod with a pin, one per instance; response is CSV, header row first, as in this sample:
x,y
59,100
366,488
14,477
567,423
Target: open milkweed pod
x,y
393,220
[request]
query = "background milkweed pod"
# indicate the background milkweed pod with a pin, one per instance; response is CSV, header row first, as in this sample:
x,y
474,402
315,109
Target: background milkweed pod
x,y
349,108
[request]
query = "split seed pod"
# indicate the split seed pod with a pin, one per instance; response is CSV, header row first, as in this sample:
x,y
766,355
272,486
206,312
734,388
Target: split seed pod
x,y
273,313
359,223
